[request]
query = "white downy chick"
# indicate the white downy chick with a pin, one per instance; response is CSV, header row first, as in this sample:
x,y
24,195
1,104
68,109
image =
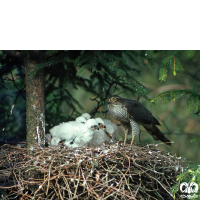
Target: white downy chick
x,y
55,141
66,130
114,131
100,122
100,136
83,136
109,127
80,119
109,130
86,116
53,131
66,127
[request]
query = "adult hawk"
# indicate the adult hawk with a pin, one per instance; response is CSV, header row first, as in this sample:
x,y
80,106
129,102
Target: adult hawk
x,y
131,114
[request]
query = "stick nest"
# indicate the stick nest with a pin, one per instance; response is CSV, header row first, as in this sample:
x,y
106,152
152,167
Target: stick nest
x,y
109,172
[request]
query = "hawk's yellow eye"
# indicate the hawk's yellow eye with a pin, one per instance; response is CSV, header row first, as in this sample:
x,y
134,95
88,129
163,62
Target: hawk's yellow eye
x,y
114,99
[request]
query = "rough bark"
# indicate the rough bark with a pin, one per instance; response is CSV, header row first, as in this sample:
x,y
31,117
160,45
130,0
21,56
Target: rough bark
x,y
35,104
35,97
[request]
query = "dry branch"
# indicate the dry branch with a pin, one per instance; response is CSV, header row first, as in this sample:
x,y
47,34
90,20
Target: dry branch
x,y
110,172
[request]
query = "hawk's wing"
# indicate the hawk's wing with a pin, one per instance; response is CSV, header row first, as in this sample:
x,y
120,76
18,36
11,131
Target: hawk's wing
x,y
139,113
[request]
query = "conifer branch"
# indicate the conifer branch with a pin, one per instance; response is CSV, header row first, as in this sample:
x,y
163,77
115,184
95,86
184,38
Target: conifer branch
x,y
12,53
163,74
160,96
174,67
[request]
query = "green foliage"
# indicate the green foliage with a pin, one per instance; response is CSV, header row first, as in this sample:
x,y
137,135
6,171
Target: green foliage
x,y
1,54
195,140
193,100
12,100
97,72
190,53
170,61
192,174
149,55
1,57
163,73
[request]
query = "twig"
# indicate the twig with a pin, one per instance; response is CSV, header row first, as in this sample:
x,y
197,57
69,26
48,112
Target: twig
x,y
130,172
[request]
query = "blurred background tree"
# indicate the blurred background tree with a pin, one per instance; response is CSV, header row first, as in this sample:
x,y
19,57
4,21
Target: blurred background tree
x,y
81,81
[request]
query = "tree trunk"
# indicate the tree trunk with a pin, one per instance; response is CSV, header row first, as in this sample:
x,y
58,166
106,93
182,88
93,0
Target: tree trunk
x,y
35,102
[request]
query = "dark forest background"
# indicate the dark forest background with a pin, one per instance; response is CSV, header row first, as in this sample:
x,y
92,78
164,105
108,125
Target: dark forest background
x,y
166,82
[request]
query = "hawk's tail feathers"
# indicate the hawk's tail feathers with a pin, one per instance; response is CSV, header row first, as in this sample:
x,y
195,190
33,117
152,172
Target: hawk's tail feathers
x,y
156,133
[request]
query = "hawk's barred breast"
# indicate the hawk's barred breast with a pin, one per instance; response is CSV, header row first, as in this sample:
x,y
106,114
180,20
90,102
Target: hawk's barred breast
x,y
119,113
